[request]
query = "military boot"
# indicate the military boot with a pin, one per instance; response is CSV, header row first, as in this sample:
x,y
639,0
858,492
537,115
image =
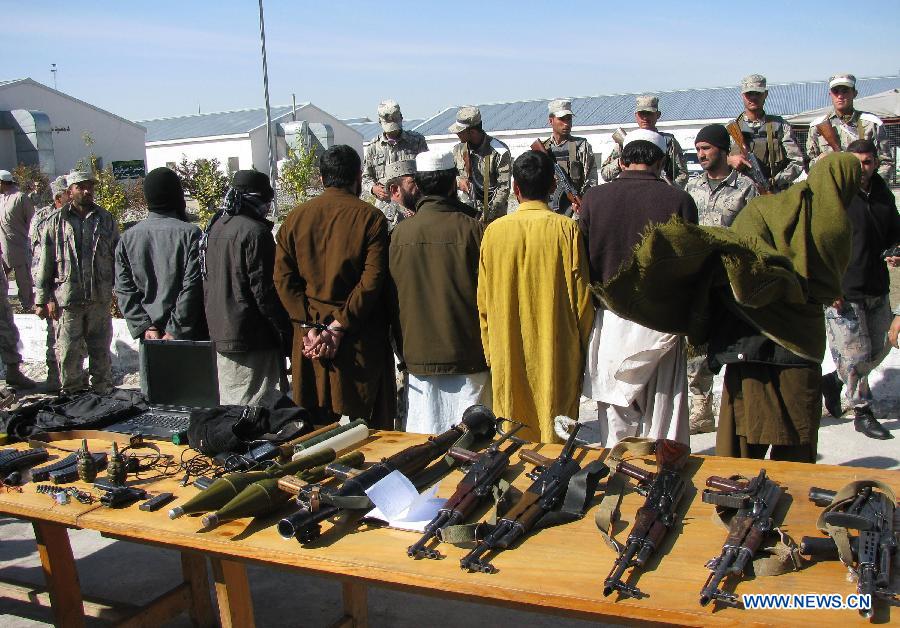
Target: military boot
x,y
16,378
701,419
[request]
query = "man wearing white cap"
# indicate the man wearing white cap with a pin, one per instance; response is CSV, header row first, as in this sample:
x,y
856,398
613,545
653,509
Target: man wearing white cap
x,y
16,211
850,125
60,192
647,114
573,154
73,280
394,144
479,158
773,140
434,274
636,375
402,191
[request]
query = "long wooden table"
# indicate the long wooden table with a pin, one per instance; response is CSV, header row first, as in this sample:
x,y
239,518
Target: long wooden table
x,y
556,570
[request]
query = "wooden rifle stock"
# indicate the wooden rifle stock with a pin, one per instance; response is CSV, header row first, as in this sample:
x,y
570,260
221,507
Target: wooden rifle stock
x,y
756,173
829,134
561,178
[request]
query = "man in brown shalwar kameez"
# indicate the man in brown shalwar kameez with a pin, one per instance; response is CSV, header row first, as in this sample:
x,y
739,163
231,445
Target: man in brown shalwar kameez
x,y
330,269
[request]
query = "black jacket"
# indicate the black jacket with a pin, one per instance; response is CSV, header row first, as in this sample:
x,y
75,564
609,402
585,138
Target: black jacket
x,y
876,227
242,308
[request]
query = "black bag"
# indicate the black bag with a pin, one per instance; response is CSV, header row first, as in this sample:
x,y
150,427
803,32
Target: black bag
x,y
234,428
84,410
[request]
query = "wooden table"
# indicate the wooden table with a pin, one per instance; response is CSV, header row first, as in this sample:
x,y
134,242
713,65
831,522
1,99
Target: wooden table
x,y
557,570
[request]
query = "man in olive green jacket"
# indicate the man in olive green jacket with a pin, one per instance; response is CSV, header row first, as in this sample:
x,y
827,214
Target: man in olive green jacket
x,y
434,274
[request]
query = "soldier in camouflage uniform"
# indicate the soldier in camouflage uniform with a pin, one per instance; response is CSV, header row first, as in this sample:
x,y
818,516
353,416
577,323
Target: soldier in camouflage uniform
x,y
74,283
479,158
35,233
394,144
402,190
850,125
647,114
773,140
573,154
858,323
720,193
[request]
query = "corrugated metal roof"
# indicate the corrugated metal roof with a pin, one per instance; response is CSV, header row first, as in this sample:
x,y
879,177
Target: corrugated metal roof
x,y
211,124
370,130
690,104
5,83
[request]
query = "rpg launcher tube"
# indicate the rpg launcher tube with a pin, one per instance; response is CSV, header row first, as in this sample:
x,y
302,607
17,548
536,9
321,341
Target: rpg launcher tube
x,y
340,429
219,493
265,496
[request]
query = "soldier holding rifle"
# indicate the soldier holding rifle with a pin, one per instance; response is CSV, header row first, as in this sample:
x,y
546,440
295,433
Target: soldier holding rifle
x,y
771,139
574,155
844,124
484,165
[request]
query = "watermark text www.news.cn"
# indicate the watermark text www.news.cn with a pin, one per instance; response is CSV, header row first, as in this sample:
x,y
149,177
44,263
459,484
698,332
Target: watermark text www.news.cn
x,y
806,601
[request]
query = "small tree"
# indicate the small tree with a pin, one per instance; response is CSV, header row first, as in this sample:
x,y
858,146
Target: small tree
x,y
210,187
31,178
299,176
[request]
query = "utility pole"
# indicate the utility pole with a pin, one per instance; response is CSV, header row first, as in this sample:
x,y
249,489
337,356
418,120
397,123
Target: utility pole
x,y
262,38
53,72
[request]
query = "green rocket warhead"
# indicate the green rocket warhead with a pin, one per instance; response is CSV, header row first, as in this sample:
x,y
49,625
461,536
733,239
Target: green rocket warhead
x,y
264,496
227,487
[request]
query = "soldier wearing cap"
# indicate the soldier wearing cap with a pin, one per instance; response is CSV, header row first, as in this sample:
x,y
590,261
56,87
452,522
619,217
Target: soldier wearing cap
x,y
60,194
773,140
394,144
720,193
573,154
16,210
647,114
479,158
402,190
434,275
850,125
74,283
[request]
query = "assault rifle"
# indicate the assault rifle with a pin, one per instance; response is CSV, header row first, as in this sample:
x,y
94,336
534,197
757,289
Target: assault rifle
x,y
871,512
756,171
321,505
486,468
544,497
618,137
830,135
467,166
755,502
12,462
563,183
663,490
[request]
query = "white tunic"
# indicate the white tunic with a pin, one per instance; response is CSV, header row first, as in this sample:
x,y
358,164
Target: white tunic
x,y
437,402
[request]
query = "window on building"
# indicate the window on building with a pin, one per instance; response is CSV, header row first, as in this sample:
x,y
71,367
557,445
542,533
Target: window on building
x,y
234,164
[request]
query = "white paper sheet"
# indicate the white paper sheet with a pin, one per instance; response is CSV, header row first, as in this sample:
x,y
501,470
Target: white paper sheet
x,y
399,504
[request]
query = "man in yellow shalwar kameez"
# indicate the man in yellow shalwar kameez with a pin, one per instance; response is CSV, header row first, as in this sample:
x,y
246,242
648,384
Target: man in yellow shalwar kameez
x,y
534,305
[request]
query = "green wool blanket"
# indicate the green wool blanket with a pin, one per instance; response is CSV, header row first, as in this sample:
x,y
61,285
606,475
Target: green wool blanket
x,y
783,259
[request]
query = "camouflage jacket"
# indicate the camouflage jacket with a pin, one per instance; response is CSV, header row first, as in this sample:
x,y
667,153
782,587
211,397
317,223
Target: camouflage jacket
x,y
718,206
394,214
860,125
674,168
775,147
496,155
379,153
73,268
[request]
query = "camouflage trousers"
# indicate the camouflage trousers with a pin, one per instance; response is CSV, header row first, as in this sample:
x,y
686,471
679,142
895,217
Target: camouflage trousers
x,y
25,285
9,333
83,326
700,378
857,335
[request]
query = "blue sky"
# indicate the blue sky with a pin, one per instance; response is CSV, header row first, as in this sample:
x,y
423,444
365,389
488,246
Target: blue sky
x,y
148,60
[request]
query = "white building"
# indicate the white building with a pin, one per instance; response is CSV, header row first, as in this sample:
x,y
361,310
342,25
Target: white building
x,y
238,138
684,113
42,126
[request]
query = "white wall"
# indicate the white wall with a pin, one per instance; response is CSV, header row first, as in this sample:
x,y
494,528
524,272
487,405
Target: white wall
x,y
115,139
159,153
